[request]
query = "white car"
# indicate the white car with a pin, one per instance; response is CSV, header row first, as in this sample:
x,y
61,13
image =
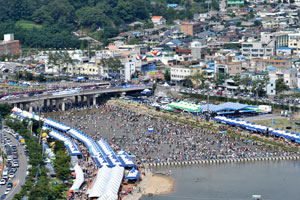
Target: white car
x,y
7,191
2,182
11,175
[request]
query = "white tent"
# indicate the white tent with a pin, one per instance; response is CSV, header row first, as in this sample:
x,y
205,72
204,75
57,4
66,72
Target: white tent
x,y
79,178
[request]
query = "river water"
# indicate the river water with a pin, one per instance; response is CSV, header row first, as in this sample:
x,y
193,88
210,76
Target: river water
x,y
235,181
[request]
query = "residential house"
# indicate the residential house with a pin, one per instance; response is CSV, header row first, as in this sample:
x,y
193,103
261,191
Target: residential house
x,y
158,20
294,42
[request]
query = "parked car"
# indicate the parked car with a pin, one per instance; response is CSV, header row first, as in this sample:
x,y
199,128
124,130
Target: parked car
x,y
2,182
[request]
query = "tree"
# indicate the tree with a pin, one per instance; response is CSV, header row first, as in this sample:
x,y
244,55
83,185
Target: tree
x,y
5,109
167,75
187,82
281,86
199,79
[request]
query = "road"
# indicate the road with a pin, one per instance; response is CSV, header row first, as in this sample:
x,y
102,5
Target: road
x,y
21,172
83,92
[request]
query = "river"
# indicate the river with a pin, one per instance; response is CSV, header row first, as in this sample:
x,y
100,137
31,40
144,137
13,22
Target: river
x,y
235,181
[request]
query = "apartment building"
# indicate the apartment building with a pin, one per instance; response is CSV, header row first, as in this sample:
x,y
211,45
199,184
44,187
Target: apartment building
x,y
289,75
9,46
190,28
294,42
257,49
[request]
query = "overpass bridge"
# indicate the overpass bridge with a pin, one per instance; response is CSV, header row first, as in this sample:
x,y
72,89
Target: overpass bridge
x,y
88,96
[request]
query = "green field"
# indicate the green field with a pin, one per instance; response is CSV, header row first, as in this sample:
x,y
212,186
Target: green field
x,y
281,123
27,24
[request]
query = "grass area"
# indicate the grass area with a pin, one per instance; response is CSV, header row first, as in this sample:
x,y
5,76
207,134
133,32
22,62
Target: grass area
x,y
281,123
27,24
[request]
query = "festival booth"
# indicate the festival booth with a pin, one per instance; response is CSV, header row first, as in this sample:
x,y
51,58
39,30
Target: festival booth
x,y
125,159
150,129
79,178
108,152
91,145
107,183
49,123
70,145
146,91
185,106
133,174
24,114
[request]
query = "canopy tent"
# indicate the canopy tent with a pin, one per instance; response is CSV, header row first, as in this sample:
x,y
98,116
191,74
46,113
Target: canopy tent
x,y
186,106
133,174
79,178
229,106
25,114
70,145
57,125
146,91
150,129
125,159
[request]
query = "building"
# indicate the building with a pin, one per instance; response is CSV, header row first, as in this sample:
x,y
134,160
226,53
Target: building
x,y
257,49
271,88
235,2
289,75
260,64
84,69
294,42
9,46
190,28
196,48
179,72
158,20
129,70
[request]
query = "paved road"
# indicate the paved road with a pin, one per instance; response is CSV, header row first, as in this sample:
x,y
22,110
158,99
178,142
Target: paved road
x,y
21,172
83,92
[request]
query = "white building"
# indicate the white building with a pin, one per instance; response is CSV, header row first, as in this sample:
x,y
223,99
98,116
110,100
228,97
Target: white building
x,y
179,72
294,42
289,75
271,87
257,49
130,68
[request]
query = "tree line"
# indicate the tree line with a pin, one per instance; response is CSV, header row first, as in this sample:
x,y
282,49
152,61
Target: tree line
x,y
49,23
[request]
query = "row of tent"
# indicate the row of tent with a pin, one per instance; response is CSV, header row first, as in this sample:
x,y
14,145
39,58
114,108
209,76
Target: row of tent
x,y
259,128
70,145
111,166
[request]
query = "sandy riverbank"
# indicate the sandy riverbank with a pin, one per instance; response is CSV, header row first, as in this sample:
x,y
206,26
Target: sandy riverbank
x,y
157,185
152,184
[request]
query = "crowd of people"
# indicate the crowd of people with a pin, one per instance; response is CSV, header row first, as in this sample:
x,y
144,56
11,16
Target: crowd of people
x,y
169,141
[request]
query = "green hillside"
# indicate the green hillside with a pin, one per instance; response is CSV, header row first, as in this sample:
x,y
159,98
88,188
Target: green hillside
x,y
49,23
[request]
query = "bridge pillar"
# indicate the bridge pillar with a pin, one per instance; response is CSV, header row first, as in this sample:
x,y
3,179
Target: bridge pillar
x,y
76,100
95,100
51,103
30,108
63,105
15,105
88,99
57,102
45,103
81,100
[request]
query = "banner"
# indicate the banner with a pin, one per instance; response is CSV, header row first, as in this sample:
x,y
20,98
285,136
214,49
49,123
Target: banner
x,y
148,67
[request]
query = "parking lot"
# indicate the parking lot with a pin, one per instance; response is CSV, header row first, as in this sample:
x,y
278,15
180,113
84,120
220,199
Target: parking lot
x,y
15,168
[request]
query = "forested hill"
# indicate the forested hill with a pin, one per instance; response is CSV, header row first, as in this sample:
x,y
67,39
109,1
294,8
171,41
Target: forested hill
x,y
49,23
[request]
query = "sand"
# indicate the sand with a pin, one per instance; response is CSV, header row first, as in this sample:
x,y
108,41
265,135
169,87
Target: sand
x,y
158,185
152,184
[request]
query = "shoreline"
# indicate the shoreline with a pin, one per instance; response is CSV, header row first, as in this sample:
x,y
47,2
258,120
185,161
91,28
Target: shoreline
x,y
152,185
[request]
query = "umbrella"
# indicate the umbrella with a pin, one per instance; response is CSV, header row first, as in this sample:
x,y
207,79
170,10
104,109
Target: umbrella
x,y
73,174
70,194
